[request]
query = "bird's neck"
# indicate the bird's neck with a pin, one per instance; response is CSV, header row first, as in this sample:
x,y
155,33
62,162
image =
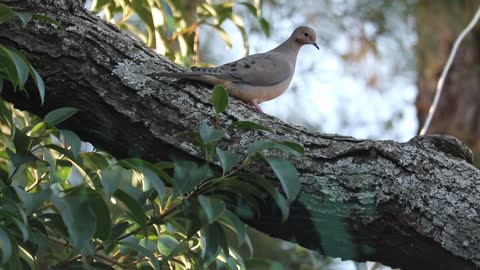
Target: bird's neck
x,y
290,48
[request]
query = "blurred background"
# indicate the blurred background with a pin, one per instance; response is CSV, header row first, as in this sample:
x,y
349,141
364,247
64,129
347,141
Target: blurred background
x,y
374,76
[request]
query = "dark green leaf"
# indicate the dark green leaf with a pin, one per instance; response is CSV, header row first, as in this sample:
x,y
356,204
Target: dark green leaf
x,y
5,245
268,187
78,216
39,83
24,17
72,140
251,8
210,240
287,174
33,200
144,252
210,135
94,161
265,26
248,125
6,114
59,115
230,220
102,215
112,177
6,13
219,98
188,175
149,172
214,208
294,146
263,264
166,244
228,159
133,208
8,67
21,65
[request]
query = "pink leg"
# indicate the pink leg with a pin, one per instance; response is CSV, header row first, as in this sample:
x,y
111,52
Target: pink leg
x,y
255,104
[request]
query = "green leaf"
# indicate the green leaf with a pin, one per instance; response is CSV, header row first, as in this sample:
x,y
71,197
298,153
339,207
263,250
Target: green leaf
x,y
39,83
287,174
230,220
219,98
132,208
188,175
210,135
294,146
210,241
59,115
228,159
102,215
251,8
6,114
270,189
248,125
149,172
21,65
263,264
112,177
33,200
77,215
144,252
72,140
24,17
5,245
265,26
167,244
286,147
6,13
214,208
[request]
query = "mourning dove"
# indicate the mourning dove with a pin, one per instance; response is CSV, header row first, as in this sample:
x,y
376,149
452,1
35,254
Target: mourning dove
x,y
258,77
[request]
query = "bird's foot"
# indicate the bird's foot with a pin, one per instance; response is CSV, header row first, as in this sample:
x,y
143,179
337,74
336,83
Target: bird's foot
x,y
257,107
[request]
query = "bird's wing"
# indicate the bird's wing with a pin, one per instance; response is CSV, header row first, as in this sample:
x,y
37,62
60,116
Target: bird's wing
x,y
257,69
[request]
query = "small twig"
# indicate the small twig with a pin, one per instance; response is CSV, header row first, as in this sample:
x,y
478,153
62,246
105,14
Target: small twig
x,y
112,261
441,81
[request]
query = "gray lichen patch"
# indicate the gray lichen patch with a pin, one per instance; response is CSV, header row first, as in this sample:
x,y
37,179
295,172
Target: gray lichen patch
x,y
132,75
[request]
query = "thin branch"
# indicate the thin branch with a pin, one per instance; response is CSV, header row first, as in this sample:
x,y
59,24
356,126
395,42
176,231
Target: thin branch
x,y
441,81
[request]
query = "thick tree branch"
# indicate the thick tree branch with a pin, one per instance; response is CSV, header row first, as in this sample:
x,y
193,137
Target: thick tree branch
x,y
413,205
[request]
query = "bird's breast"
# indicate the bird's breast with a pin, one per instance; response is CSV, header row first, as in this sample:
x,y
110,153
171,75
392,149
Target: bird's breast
x,y
247,92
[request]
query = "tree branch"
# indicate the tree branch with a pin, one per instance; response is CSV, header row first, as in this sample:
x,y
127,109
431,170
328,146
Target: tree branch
x,y
398,203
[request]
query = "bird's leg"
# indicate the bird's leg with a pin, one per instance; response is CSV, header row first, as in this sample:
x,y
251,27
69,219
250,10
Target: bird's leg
x,y
255,104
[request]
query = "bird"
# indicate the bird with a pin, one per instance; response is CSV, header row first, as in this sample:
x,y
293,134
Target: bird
x,y
258,77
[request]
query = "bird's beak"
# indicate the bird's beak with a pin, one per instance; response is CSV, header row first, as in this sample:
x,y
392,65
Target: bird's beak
x,y
316,45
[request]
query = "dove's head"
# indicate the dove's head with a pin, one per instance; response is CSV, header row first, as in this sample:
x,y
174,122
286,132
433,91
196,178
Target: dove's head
x,y
305,35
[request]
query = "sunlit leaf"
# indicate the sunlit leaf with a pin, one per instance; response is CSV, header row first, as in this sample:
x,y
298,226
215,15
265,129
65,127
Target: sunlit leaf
x,y
219,98
144,252
132,208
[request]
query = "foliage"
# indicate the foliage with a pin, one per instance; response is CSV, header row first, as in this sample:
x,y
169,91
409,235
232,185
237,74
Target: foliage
x,y
123,214
62,207
15,68
172,26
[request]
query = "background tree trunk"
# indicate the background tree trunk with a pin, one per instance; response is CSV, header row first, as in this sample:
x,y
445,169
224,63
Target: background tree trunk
x,y
413,205
438,25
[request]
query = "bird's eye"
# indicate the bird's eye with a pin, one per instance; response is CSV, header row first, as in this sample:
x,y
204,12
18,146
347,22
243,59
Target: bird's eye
x,y
305,34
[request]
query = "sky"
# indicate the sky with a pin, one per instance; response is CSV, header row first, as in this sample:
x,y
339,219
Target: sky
x,y
372,98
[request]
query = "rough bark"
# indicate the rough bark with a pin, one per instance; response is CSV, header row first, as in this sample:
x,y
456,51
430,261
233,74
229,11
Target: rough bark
x,y
412,205
438,25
